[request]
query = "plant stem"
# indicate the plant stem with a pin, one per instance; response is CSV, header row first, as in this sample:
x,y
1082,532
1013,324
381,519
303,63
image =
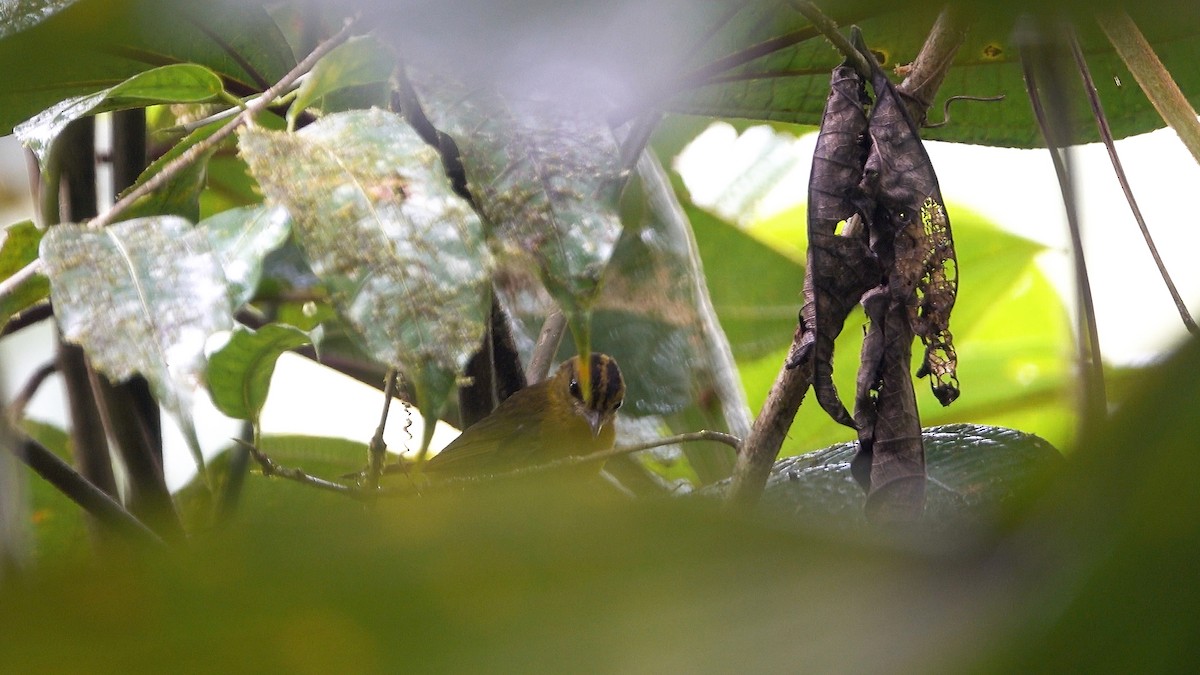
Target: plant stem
x,y
548,341
1152,76
78,489
757,454
929,69
270,468
829,29
377,451
1056,133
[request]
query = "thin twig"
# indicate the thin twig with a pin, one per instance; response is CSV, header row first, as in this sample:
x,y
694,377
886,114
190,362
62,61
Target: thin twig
x,y
757,455
377,450
1056,135
271,468
578,460
829,29
16,409
189,127
962,97
548,341
1109,144
79,490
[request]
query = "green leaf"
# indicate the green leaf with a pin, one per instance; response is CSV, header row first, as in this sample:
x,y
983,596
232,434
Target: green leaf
x,y
92,45
242,238
18,249
239,374
178,83
759,310
141,296
403,256
359,61
731,76
546,177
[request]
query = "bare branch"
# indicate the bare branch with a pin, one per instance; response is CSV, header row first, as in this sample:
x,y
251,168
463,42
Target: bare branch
x,y
79,490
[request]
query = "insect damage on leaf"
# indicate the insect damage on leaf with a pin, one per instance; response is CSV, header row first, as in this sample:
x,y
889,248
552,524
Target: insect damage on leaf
x,y
936,290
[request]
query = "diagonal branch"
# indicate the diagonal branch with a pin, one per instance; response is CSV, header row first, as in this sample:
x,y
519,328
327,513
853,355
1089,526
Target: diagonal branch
x,y
79,490
1106,135
1152,76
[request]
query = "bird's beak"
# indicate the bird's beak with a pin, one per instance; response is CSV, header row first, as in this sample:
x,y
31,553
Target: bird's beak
x,y
595,421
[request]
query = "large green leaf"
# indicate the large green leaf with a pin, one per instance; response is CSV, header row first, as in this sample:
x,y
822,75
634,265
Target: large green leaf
x,y
18,249
546,176
141,296
766,62
239,374
95,44
402,254
179,83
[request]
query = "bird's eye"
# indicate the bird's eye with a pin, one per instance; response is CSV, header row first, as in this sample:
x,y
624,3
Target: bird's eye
x,y
575,389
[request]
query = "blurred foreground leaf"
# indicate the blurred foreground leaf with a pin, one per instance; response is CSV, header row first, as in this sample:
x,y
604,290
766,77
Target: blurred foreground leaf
x,y
242,238
1088,569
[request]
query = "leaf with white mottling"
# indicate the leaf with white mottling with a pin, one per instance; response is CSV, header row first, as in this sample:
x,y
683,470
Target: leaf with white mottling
x,y
403,256
141,296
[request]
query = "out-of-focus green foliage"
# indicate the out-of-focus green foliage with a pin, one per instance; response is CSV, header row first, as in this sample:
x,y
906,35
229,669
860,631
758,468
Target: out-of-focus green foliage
x,y
1089,570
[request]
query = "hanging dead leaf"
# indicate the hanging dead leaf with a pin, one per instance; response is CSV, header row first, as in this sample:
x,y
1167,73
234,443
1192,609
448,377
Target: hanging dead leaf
x,y
840,266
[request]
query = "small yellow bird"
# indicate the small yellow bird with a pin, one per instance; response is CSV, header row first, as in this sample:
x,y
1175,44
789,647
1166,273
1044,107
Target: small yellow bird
x,y
543,422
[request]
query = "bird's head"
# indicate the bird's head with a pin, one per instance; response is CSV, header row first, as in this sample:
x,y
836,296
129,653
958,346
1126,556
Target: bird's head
x,y
607,389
